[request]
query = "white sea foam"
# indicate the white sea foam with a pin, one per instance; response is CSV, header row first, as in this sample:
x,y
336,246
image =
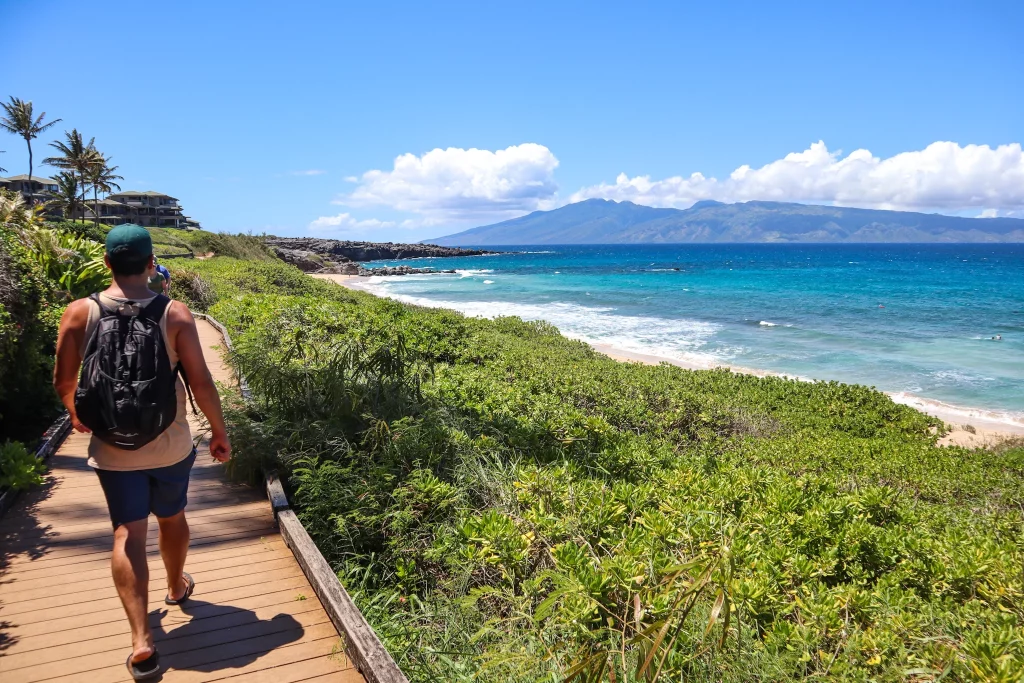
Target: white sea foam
x,y
668,338
766,323
470,272
995,419
488,282
958,377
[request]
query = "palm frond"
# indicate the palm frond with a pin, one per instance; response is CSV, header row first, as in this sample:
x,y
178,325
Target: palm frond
x,y
20,120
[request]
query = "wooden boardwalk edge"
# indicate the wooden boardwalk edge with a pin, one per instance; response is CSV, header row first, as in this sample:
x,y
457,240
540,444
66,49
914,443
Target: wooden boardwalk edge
x,y
52,439
362,645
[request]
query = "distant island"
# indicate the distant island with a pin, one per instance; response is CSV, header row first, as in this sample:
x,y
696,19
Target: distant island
x,y
600,221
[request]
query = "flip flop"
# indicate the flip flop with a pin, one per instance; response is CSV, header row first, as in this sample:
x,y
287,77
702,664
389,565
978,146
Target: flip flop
x,y
188,591
147,668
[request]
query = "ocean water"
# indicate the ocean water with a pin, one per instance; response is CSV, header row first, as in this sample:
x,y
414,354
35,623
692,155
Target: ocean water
x,y
914,320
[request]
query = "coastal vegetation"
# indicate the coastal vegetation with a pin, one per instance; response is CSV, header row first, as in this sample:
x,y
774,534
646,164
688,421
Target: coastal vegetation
x,y
42,268
506,504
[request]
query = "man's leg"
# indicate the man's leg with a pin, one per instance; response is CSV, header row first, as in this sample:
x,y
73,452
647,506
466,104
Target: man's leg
x,y
174,539
169,495
131,577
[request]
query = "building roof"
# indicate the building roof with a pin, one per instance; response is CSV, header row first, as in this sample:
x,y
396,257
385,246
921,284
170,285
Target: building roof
x,y
136,193
36,178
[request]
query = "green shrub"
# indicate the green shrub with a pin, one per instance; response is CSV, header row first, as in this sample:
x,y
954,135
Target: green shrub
x,y
506,504
86,229
74,264
19,468
248,247
28,332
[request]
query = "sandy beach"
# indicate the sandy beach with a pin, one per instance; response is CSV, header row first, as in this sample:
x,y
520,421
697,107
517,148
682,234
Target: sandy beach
x,y
343,280
971,428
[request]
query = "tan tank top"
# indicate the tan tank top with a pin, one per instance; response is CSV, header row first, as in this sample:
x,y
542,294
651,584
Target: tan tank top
x,y
173,445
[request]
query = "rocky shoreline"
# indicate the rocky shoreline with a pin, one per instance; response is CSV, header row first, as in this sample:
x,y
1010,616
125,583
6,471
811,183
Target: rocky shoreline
x,y
341,257
356,269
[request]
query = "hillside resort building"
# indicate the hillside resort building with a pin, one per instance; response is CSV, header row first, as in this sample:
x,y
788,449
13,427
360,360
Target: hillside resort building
x,y
150,209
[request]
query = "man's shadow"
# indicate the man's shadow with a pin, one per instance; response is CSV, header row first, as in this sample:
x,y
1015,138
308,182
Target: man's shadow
x,y
203,636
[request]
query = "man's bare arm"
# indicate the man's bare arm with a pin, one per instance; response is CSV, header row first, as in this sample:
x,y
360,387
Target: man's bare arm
x,y
70,337
190,354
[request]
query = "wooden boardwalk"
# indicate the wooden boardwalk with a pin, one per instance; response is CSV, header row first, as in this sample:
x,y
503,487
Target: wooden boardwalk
x,y
253,617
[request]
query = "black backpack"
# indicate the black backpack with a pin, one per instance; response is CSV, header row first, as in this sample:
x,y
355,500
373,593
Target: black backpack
x,y
126,392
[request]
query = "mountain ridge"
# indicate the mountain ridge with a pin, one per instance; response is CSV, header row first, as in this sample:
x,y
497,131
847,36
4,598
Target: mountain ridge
x,y
602,221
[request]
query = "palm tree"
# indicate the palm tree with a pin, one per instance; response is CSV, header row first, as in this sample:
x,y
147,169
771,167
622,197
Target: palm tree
x,y
20,120
77,157
102,178
67,199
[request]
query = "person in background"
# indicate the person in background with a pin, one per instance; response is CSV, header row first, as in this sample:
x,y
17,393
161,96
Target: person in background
x,y
140,477
160,280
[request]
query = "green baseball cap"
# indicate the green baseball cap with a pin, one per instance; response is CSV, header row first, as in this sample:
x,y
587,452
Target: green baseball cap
x,y
129,241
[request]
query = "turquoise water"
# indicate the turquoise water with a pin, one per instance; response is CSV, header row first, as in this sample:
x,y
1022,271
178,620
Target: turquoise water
x,y
912,319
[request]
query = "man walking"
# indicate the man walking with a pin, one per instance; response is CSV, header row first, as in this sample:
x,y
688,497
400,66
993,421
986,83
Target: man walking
x,y
131,345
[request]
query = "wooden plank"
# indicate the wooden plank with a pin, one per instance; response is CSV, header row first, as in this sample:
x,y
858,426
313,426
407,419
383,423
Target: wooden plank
x,y
68,634
32,577
115,649
362,644
219,662
76,603
323,668
293,586
198,543
94,537
101,522
102,587
276,494
168,626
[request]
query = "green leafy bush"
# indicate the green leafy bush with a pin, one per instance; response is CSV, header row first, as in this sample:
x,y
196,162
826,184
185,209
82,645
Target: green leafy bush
x,y
28,332
86,229
506,504
19,468
249,247
74,263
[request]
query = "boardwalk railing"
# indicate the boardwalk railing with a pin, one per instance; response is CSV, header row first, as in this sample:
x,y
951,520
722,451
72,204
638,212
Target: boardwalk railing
x,y
52,440
362,645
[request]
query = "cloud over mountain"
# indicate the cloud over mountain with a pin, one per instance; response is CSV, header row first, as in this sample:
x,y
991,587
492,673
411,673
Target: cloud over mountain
x,y
462,184
942,176
345,223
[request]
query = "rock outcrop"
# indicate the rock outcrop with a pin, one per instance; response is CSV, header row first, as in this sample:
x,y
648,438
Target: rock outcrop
x,y
347,268
356,269
302,259
398,270
342,250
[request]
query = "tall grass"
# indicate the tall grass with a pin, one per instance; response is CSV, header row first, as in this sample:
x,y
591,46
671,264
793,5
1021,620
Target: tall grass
x,y
506,504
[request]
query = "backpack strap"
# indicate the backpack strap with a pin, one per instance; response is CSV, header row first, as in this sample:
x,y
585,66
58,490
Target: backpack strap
x,y
154,311
180,371
105,311
156,308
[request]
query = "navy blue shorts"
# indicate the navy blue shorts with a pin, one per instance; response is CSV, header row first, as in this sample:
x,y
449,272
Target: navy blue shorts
x,y
134,494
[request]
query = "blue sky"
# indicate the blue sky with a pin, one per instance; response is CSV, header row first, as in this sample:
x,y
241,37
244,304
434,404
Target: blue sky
x,y
255,114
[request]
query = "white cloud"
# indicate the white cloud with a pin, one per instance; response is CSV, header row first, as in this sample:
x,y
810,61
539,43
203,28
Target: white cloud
x,y
943,176
1001,213
462,184
312,171
345,222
